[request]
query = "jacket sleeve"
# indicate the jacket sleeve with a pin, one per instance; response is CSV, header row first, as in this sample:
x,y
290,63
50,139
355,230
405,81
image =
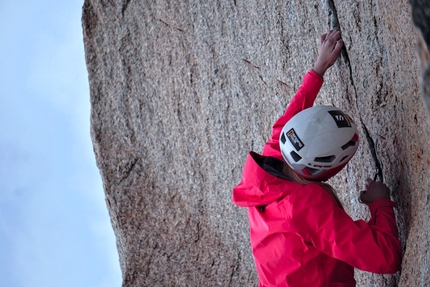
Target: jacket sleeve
x,y
372,247
303,99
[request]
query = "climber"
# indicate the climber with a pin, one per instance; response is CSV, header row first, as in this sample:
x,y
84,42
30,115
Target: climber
x,y
300,234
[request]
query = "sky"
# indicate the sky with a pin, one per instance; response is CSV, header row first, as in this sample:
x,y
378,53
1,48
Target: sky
x,y
54,224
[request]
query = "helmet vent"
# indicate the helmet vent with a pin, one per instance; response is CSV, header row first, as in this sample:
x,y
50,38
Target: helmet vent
x,y
343,158
348,144
295,156
312,171
283,139
325,158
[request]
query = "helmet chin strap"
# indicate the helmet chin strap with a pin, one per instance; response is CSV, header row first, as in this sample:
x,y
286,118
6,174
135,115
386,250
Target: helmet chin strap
x,y
330,173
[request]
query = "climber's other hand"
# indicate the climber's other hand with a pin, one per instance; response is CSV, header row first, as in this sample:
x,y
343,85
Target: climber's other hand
x,y
374,190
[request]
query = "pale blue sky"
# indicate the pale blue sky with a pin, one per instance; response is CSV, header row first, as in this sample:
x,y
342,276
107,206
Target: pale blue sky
x,y
54,224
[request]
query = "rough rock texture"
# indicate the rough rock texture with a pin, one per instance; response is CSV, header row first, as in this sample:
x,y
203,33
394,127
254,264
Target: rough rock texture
x,y
182,90
421,19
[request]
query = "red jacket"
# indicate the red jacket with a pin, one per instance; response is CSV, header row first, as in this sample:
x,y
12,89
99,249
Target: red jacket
x,y
303,237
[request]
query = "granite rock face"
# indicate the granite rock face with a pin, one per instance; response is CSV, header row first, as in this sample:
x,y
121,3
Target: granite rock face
x,y
421,19
181,91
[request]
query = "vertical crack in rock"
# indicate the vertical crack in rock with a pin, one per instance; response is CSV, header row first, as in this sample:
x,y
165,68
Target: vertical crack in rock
x,y
421,20
371,143
333,13
125,168
235,267
197,232
334,23
124,7
421,17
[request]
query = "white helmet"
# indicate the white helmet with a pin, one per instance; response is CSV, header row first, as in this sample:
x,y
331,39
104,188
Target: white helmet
x,y
318,142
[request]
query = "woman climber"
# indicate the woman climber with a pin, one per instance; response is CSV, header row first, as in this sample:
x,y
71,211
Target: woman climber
x,y
300,233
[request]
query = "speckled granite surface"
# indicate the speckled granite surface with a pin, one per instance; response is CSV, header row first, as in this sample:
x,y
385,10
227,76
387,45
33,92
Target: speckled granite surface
x,y
182,90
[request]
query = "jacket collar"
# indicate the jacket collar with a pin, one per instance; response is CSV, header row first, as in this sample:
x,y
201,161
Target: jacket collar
x,y
258,187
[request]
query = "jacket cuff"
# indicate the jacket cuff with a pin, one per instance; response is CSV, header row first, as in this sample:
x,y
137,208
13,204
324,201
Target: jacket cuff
x,y
315,74
383,202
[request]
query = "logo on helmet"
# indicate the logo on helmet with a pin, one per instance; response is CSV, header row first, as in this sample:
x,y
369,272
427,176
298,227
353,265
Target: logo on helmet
x,y
341,119
295,140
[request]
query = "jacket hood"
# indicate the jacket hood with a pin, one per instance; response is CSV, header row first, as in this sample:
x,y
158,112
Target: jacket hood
x,y
258,187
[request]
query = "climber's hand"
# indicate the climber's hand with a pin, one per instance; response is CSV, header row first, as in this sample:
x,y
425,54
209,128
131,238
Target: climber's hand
x,y
374,190
331,44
